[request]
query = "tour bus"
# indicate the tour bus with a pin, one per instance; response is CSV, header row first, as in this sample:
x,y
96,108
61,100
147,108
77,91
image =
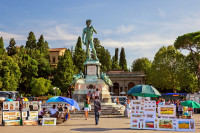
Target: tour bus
x,y
4,95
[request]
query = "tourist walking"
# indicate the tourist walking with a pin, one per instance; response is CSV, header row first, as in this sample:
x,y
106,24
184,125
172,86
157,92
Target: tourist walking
x,y
97,109
86,107
127,111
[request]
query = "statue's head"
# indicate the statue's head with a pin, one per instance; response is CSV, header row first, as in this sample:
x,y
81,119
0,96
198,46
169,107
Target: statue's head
x,y
88,22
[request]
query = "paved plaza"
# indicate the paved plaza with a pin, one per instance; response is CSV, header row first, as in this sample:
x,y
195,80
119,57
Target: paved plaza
x,y
107,124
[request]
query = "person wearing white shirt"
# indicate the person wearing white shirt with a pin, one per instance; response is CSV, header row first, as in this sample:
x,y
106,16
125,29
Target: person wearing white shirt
x,y
53,112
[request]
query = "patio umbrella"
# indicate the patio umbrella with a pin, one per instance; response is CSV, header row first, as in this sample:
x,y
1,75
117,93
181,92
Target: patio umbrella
x,y
144,91
122,93
191,104
25,99
10,100
59,99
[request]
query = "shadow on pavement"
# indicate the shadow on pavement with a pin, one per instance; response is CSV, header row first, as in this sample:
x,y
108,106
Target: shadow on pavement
x,y
98,129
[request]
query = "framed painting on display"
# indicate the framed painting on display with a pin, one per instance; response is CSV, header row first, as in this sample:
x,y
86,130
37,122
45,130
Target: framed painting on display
x,y
167,110
49,121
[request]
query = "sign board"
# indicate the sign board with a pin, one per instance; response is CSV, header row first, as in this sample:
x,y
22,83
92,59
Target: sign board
x,y
49,121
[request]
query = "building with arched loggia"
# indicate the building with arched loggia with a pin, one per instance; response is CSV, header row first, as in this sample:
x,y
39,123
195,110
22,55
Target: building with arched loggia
x,y
123,81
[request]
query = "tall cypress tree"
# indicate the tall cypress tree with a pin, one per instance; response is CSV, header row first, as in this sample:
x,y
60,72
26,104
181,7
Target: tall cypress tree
x,y
12,49
115,65
43,46
40,44
31,42
116,55
2,50
122,60
65,71
79,56
108,62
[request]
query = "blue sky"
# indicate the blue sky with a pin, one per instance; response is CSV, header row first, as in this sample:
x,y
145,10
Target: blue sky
x,y
141,27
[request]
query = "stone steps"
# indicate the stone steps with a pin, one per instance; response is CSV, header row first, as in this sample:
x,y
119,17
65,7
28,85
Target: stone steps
x,y
106,109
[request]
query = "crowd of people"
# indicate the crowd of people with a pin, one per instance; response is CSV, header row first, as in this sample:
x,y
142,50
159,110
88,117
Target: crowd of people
x,y
62,112
97,104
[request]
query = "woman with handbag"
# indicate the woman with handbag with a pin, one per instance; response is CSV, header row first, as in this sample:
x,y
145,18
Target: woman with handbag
x,y
86,107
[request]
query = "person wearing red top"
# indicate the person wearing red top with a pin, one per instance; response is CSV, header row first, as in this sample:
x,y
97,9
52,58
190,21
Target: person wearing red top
x,y
158,101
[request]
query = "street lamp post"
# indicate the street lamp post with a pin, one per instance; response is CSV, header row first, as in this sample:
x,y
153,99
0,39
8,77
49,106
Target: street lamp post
x,y
55,88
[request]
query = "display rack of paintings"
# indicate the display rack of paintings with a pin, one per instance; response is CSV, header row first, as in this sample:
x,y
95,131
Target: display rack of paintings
x,y
150,109
143,116
11,113
30,113
142,113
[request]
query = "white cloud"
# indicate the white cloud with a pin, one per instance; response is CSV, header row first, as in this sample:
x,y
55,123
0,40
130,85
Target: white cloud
x,y
161,13
7,36
125,29
61,32
143,42
118,31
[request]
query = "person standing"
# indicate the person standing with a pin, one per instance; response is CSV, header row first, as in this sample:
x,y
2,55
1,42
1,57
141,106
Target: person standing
x,y
93,95
86,108
98,92
127,111
89,95
97,109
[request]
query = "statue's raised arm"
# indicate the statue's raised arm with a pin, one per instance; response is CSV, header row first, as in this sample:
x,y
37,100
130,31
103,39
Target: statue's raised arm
x,y
88,40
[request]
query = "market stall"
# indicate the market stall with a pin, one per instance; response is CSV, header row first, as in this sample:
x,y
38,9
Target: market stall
x,y
11,113
143,116
30,113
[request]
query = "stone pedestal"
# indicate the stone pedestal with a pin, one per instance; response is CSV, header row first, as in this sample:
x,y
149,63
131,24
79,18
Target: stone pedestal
x,y
91,82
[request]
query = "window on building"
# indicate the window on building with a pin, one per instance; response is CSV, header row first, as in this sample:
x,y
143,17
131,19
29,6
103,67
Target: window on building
x,y
130,85
54,60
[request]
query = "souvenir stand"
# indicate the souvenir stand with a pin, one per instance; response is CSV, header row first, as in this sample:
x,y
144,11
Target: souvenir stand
x,y
11,113
30,113
143,116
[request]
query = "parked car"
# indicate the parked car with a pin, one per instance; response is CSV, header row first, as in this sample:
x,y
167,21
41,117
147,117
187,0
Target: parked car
x,y
4,95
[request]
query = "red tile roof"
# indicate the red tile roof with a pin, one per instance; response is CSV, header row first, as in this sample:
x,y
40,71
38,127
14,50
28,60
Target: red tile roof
x,y
56,49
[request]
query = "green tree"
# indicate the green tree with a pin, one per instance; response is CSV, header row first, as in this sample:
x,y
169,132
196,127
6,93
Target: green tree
x,y
10,74
103,55
2,49
44,69
122,60
31,42
117,55
141,64
12,49
108,62
79,56
28,68
64,72
169,71
40,86
190,42
43,46
115,65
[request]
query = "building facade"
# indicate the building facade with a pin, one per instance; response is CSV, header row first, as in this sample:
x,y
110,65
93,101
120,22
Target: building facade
x,y
123,81
54,54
